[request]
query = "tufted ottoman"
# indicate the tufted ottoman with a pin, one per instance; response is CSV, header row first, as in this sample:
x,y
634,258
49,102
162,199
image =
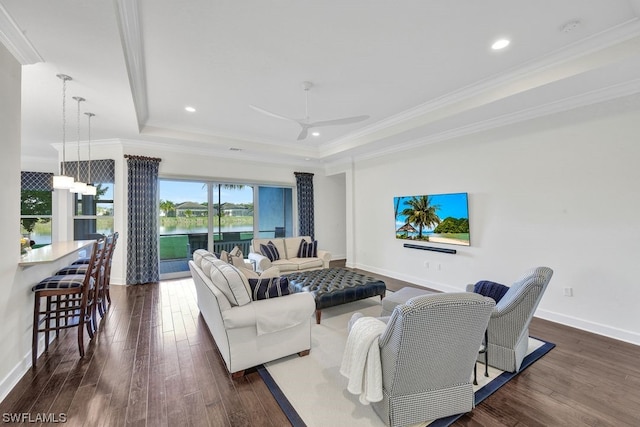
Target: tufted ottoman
x,y
335,286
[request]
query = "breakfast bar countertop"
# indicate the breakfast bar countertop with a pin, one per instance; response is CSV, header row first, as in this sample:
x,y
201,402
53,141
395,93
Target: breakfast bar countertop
x,y
52,252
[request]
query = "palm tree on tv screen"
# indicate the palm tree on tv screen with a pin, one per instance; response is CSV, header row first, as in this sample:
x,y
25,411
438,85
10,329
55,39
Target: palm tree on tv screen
x,y
421,213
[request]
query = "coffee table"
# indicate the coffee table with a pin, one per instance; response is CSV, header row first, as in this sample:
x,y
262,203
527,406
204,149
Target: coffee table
x,y
335,286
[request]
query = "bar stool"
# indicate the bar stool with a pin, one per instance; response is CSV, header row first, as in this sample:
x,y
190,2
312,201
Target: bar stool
x,y
70,302
103,295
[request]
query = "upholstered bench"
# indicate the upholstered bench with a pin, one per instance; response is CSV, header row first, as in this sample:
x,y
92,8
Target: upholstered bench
x,y
400,297
335,286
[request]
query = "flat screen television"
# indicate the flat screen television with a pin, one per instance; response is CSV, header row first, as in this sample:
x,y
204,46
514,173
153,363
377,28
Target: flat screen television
x,y
433,218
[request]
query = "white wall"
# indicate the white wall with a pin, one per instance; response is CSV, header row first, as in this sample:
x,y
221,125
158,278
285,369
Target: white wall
x,y
565,197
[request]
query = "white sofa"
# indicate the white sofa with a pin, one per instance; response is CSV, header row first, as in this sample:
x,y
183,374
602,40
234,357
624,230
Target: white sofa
x,y
249,333
288,250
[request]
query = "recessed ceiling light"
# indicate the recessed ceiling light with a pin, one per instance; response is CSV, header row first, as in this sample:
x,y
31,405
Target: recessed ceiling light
x,y
190,109
500,44
315,133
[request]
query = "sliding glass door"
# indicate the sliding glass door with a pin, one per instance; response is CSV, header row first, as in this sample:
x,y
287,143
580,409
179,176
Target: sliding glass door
x,y
275,216
185,224
217,216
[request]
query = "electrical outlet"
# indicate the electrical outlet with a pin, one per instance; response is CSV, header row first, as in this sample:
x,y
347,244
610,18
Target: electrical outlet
x,y
426,264
568,292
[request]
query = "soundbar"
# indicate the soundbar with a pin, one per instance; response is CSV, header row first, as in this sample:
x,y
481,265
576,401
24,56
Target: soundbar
x,y
430,248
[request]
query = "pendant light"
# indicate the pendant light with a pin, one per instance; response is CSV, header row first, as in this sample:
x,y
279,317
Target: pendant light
x,y
78,186
62,181
91,189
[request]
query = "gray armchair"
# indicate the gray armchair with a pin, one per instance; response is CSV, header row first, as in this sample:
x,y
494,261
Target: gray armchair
x,y
508,330
428,351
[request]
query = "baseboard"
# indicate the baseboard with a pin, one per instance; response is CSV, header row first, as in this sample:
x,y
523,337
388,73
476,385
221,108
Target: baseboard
x,y
588,326
15,375
442,287
574,322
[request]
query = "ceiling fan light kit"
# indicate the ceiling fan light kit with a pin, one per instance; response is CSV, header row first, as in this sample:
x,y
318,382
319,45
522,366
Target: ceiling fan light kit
x,y
306,123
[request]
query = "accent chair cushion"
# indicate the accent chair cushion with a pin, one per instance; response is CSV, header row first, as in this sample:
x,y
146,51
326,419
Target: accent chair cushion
x,y
73,269
60,282
269,287
270,251
308,249
490,289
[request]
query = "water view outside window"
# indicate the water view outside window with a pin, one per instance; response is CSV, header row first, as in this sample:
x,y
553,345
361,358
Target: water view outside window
x,y
35,209
216,216
35,219
93,215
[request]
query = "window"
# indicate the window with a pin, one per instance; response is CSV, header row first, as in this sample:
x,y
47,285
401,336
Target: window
x,y
93,215
35,207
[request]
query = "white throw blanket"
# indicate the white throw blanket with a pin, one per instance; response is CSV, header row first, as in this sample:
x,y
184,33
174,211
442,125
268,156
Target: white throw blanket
x,y
361,360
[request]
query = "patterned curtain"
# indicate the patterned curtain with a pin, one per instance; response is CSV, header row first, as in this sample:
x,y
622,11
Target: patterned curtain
x,y
97,170
305,204
142,243
36,181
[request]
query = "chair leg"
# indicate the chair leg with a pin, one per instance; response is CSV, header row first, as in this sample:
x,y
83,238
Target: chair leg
x,y
36,321
47,324
81,333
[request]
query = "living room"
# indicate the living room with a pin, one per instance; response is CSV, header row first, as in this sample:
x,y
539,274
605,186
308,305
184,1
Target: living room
x,y
556,189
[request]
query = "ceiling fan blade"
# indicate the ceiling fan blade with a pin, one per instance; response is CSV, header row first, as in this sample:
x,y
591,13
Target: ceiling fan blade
x,y
344,121
303,133
269,113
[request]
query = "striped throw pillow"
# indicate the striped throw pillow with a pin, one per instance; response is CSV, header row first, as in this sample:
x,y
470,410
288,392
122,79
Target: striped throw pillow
x,y
270,251
269,287
308,249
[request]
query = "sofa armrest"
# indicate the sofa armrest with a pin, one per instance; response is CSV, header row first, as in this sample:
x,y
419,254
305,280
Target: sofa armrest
x,y
298,305
325,256
262,262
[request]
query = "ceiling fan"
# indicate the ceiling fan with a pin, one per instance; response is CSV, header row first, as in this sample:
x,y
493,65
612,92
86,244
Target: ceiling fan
x,y
306,123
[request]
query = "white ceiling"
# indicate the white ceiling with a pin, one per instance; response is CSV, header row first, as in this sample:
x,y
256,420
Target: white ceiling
x,y
422,70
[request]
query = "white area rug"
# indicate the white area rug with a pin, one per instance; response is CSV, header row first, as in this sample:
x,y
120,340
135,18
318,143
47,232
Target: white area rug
x,y
313,384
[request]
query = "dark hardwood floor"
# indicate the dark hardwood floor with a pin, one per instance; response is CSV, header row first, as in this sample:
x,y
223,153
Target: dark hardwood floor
x,y
154,363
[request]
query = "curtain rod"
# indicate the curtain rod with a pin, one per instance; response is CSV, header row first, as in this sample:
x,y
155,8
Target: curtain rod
x,y
131,156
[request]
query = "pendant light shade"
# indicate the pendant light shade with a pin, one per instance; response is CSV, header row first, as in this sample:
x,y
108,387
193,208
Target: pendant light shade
x,y
62,181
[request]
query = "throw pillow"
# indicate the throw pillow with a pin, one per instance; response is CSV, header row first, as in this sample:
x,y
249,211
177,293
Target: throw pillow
x,y
224,256
237,261
270,287
270,251
228,279
236,251
268,273
490,289
308,249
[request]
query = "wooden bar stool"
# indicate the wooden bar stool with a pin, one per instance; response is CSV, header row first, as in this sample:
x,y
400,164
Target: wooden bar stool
x,y
103,295
70,302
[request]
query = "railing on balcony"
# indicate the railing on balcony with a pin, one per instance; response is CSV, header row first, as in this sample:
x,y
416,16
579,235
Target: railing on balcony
x,y
177,249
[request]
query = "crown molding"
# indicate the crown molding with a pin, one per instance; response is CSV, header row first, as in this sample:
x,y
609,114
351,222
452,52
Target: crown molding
x,y
128,17
200,150
570,103
15,41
